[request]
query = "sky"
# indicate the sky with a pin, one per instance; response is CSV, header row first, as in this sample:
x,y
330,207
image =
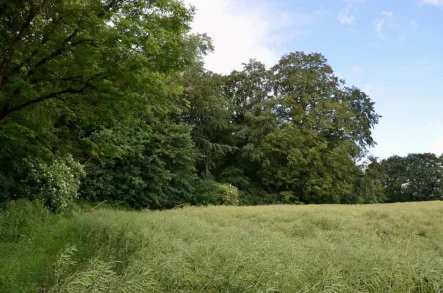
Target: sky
x,y
391,49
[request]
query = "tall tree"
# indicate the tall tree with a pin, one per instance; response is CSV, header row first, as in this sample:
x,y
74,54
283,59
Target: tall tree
x,y
70,71
299,128
208,113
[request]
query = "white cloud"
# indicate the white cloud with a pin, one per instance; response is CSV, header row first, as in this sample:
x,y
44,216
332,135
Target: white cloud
x,y
367,88
433,2
379,23
413,23
241,31
356,69
386,19
346,15
387,14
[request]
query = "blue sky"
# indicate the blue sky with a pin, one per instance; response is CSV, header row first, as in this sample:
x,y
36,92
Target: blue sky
x,y
390,49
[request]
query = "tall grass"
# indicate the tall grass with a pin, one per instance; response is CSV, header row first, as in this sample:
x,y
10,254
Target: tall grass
x,y
374,248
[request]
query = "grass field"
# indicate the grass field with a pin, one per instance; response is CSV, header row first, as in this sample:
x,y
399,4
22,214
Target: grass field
x,y
325,248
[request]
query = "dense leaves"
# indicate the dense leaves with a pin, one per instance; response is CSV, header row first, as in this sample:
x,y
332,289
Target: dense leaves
x,y
416,177
73,73
298,129
157,172
110,100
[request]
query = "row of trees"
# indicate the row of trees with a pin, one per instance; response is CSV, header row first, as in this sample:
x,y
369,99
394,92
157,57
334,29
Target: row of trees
x,y
416,177
109,99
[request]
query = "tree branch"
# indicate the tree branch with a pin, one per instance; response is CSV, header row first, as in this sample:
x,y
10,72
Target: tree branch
x,y
7,59
45,39
66,105
87,84
54,54
54,95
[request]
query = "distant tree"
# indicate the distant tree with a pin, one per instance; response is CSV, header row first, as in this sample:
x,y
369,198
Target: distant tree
x,y
369,185
416,177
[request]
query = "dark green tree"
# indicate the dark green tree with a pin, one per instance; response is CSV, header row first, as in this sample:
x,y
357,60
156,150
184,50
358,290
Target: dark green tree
x,y
369,185
156,172
416,177
72,72
208,113
299,129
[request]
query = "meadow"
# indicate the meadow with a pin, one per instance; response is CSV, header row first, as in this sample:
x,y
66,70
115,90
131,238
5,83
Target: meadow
x,y
318,248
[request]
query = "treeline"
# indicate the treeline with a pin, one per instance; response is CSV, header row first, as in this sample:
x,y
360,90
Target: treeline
x,y
416,177
109,100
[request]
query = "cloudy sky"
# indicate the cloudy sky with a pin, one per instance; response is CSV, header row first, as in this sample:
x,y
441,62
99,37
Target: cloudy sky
x,y
392,49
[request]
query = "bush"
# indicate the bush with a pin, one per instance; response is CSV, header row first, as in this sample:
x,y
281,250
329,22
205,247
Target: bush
x,y
228,194
206,193
289,197
210,192
56,183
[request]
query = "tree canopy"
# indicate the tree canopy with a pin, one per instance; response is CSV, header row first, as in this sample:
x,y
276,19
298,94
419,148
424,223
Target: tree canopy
x,y
110,100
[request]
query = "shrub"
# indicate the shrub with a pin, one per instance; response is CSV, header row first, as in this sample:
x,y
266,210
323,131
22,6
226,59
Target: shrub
x,y
206,193
210,192
56,183
157,173
228,194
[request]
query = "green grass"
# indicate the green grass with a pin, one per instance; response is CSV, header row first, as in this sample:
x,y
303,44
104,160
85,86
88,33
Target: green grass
x,y
325,248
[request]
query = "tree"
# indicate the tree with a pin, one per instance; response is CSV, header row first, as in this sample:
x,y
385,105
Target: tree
x,y
299,129
208,113
72,71
369,185
88,56
416,177
157,172
118,88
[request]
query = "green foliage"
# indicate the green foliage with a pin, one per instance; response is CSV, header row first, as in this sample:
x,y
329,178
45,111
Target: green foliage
x,y
235,176
206,193
19,218
73,71
289,197
416,177
120,85
208,113
157,172
229,194
297,128
56,184
369,187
